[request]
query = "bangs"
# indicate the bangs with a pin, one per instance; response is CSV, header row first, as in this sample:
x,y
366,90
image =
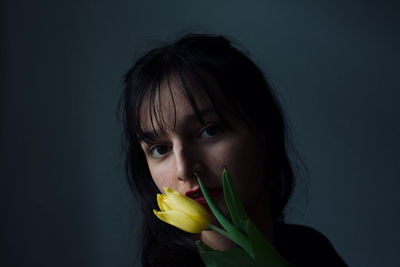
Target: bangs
x,y
186,78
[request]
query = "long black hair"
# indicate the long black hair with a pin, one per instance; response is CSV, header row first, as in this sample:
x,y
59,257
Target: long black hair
x,y
232,82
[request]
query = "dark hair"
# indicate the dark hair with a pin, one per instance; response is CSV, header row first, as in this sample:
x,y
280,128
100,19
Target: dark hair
x,y
210,62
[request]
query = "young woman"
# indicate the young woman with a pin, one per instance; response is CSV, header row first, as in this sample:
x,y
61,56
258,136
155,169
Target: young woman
x,y
199,105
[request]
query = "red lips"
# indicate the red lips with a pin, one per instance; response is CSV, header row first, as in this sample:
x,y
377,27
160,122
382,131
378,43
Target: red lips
x,y
197,195
192,193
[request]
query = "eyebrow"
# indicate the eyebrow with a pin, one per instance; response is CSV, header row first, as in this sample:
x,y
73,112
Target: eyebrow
x,y
187,119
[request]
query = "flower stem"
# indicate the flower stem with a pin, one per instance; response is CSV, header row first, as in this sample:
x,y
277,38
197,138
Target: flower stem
x,y
219,230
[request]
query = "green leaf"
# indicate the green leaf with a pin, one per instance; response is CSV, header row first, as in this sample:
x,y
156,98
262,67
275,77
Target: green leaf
x,y
218,214
232,233
235,257
235,206
265,254
203,247
256,251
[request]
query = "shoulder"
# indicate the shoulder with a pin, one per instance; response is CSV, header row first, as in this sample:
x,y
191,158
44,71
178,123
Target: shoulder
x,y
305,246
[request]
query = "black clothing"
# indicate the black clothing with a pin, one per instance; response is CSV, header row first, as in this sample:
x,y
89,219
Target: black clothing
x,y
300,245
304,246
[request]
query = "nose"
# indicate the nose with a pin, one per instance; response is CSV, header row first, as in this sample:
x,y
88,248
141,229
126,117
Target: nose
x,y
187,163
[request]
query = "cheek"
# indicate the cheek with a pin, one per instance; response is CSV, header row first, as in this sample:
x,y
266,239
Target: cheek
x,y
241,152
245,162
237,153
162,175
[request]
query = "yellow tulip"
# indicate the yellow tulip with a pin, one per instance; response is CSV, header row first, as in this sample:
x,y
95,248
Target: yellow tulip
x,y
181,211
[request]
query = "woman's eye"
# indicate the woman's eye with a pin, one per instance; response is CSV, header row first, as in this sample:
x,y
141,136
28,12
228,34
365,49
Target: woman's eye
x,y
210,131
159,150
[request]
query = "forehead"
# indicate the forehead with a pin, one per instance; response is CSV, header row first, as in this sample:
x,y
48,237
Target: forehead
x,y
170,103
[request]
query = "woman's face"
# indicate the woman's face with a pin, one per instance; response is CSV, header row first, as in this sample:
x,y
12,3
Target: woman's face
x,y
187,146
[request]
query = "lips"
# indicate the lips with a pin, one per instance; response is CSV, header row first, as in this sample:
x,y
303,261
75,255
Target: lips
x,y
197,195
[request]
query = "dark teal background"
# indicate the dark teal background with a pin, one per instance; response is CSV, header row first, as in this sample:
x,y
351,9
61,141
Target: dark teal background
x,y
64,199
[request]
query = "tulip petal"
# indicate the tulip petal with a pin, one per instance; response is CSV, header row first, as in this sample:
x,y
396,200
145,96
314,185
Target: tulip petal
x,y
161,200
181,221
185,204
